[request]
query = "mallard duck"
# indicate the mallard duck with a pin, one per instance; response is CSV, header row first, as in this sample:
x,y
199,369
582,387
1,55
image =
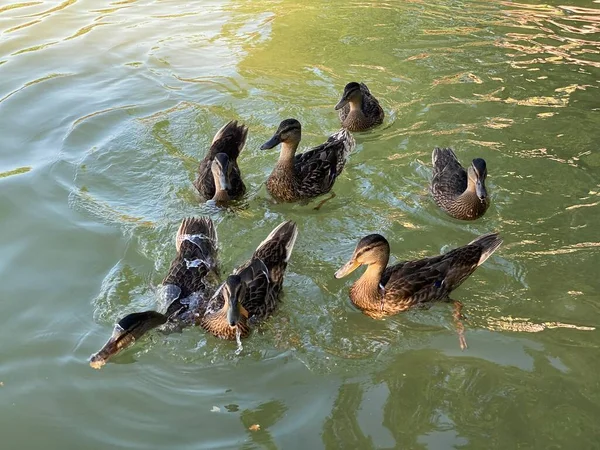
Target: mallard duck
x,y
309,174
358,109
219,177
459,192
183,292
382,291
251,293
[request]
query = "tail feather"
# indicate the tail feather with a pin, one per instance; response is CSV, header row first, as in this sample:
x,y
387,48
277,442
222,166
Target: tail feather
x,y
441,156
344,137
195,227
286,232
489,244
230,139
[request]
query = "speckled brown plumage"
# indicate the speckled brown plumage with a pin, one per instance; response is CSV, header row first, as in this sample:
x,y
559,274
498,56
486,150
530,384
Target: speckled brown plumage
x,y
262,276
309,174
382,291
183,292
230,140
363,111
453,190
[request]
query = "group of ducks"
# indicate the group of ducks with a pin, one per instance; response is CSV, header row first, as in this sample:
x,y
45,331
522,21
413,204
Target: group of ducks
x,y
251,293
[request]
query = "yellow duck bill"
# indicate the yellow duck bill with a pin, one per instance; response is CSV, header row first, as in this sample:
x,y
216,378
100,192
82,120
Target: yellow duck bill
x,y
347,268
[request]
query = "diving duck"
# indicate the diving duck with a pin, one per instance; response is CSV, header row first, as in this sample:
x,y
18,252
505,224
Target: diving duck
x,y
219,177
386,290
459,192
358,109
251,293
183,292
310,174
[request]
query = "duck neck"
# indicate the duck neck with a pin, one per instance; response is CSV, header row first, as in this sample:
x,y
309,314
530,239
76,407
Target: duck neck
x,y
286,156
356,106
366,293
221,195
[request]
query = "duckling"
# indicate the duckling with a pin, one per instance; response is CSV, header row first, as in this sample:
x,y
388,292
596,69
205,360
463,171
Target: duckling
x,y
251,293
183,292
460,193
385,290
309,174
358,109
219,176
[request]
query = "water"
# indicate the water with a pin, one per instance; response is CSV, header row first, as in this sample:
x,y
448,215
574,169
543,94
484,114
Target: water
x,y
106,109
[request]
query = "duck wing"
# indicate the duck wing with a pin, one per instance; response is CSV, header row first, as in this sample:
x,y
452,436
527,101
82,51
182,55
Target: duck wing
x,y
434,278
449,176
230,139
260,300
318,168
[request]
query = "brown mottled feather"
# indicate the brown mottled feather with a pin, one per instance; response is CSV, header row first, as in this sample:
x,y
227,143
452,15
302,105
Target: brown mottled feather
x,y
410,283
370,115
263,275
230,139
449,187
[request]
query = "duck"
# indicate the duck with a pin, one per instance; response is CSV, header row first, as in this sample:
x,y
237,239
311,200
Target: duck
x,y
460,193
252,292
358,109
384,290
219,177
310,174
183,293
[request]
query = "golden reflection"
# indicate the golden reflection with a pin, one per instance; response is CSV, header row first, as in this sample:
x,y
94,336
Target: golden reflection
x,y
17,5
23,25
524,325
545,19
60,7
16,171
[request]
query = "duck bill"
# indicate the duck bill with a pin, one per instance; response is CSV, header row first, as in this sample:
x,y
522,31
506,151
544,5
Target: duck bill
x,y
480,190
343,102
347,268
234,314
225,184
126,332
119,340
273,142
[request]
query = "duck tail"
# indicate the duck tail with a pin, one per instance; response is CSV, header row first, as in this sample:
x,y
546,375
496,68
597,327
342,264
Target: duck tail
x,y
346,138
230,139
285,233
440,157
200,231
488,243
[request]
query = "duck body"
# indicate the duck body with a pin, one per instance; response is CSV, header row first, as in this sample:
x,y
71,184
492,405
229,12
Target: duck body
x,y
358,109
219,176
382,291
252,292
310,174
460,193
183,293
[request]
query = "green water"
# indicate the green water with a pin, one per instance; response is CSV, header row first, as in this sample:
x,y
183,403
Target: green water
x,y
105,110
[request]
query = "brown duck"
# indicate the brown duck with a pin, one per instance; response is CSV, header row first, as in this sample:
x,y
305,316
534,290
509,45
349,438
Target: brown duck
x,y
251,293
358,109
382,291
219,176
183,292
460,193
310,174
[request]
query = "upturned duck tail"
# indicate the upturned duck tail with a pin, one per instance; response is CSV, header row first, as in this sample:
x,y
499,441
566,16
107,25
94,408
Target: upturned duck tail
x,y
230,139
285,233
489,243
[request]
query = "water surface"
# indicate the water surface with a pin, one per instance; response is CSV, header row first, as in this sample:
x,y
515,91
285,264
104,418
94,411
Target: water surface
x,y
106,109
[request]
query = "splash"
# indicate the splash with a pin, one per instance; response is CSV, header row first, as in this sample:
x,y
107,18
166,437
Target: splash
x,y
238,339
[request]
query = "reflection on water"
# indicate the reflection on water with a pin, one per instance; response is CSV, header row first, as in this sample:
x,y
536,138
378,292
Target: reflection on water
x,y
106,111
